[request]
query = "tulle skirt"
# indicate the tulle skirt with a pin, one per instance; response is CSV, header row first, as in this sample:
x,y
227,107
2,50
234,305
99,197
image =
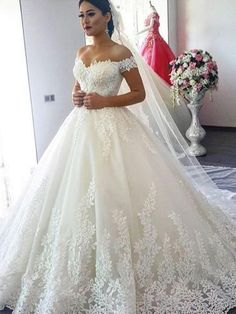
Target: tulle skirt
x,y
109,224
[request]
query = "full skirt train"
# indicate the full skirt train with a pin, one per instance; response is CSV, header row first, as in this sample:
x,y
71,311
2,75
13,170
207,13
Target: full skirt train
x,y
110,224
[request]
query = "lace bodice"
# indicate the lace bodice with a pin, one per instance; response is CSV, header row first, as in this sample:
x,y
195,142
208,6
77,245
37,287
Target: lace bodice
x,y
102,77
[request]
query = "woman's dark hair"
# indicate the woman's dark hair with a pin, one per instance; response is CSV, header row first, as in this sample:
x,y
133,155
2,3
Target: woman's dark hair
x,y
104,6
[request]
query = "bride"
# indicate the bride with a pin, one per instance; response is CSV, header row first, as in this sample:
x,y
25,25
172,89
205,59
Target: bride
x,y
111,221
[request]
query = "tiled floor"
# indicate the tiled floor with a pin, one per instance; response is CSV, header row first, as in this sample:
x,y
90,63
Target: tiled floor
x,y
221,147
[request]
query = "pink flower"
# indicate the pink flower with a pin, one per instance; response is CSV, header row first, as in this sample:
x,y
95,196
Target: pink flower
x,y
194,50
192,65
210,65
198,57
185,83
199,87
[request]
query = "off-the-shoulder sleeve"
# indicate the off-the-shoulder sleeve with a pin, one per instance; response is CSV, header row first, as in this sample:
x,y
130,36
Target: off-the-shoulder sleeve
x,y
127,64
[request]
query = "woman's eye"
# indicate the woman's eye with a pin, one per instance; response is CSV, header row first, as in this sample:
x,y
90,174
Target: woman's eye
x,y
89,14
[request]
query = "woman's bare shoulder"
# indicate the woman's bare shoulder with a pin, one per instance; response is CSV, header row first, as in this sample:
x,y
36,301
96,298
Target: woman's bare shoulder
x,y
120,52
82,50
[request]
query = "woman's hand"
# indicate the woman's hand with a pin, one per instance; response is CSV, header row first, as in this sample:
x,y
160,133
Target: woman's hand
x,y
78,98
94,101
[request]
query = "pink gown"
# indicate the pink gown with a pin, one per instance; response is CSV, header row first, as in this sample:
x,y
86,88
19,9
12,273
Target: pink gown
x,y
155,50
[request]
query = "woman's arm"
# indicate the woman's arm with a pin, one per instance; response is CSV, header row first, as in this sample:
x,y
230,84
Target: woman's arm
x,y
136,94
76,87
77,95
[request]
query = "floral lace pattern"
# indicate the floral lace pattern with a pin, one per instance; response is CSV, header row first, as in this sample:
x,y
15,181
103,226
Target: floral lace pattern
x,y
103,77
108,122
127,64
22,222
119,122
111,226
173,272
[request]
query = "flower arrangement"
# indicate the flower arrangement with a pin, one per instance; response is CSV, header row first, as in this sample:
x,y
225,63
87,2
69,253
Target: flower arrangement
x,y
193,72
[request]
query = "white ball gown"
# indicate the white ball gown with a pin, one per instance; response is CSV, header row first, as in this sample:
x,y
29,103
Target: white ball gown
x,y
110,224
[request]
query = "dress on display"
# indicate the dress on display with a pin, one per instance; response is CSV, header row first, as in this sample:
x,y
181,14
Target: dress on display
x,y
155,50
110,223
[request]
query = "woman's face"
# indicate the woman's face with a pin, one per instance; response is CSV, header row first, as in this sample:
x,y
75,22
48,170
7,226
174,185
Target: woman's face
x,y
92,20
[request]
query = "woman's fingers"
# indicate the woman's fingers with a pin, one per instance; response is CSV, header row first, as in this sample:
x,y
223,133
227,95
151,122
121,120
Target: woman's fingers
x,y
77,98
87,101
93,101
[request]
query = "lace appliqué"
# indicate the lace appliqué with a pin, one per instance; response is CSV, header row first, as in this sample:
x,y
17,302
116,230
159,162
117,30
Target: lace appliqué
x,y
88,255
102,77
127,64
110,121
180,275
63,257
19,242
80,118
163,269
147,247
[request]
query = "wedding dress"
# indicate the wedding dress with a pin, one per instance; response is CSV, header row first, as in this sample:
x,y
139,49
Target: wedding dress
x,y
109,222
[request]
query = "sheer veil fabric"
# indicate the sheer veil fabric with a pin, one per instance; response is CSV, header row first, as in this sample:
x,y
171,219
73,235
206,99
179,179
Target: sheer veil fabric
x,y
153,111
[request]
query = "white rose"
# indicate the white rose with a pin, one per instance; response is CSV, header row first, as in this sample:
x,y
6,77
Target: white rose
x,y
205,58
179,71
192,82
187,59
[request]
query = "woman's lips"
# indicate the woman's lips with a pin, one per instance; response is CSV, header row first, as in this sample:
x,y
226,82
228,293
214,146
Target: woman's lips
x,y
87,28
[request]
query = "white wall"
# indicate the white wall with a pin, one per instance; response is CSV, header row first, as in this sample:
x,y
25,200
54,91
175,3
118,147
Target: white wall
x,y
172,22
211,25
17,145
52,37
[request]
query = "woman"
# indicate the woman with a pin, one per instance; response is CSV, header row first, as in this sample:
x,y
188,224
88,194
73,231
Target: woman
x,y
110,223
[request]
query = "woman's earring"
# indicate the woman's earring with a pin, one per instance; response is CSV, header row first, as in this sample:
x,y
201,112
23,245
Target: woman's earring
x,y
107,30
